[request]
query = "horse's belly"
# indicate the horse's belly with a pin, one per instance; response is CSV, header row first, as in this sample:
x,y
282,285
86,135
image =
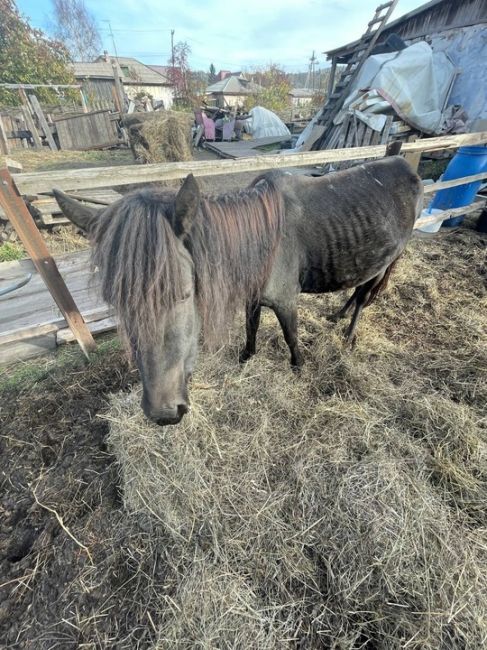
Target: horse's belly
x,y
315,280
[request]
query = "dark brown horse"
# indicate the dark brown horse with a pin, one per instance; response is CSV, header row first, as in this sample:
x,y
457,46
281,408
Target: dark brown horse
x,y
173,264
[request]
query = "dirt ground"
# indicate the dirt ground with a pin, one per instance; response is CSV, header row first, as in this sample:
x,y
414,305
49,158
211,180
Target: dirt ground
x,y
81,567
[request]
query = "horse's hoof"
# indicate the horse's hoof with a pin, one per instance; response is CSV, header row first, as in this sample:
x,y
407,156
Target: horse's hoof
x,y
244,356
351,341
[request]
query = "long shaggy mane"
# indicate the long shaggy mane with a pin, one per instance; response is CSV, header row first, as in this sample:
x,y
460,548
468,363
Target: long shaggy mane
x,y
232,243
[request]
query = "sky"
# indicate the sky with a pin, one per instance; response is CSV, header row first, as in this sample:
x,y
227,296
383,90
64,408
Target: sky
x,y
231,35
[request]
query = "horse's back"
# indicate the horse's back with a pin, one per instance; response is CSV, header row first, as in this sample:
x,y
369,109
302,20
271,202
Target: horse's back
x,y
344,228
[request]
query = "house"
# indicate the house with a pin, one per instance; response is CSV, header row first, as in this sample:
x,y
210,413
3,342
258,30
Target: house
x,y
231,91
300,97
98,80
459,29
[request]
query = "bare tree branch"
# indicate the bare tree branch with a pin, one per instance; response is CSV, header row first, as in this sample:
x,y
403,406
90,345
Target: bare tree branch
x,y
76,27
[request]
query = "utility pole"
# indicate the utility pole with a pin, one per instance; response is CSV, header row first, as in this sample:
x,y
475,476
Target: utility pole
x,y
310,79
113,38
173,73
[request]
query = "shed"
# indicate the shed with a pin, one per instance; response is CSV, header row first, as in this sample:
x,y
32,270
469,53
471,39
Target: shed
x,y
459,29
98,80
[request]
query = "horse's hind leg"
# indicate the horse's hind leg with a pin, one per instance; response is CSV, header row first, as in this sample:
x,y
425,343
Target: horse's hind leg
x,y
363,296
252,320
288,320
341,313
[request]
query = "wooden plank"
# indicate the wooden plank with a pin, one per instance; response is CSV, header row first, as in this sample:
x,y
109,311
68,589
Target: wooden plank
x,y
76,179
33,242
31,126
386,130
27,348
96,327
443,185
343,133
43,122
4,148
367,137
447,214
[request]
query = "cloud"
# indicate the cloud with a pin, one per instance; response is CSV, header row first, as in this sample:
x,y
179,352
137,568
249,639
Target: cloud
x,y
230,35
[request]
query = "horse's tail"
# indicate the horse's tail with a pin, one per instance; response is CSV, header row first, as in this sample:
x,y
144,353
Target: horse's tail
x,y
382,284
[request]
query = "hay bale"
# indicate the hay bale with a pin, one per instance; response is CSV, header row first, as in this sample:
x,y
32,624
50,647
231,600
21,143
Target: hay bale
x,y
162,136
341,509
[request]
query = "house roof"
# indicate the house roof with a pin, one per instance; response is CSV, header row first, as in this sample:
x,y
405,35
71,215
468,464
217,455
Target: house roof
x,y
302,92
432,17
130,71
234,86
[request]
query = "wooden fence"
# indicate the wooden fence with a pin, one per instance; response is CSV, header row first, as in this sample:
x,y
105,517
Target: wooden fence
x,y
54,325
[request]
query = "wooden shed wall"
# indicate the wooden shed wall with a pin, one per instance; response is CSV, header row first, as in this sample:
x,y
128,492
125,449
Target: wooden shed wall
x,y
87,131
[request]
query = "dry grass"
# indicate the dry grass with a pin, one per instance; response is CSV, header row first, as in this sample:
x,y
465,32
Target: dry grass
x,y
166,137
341,508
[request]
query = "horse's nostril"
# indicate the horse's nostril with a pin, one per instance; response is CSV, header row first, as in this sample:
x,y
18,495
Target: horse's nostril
x,y
182,409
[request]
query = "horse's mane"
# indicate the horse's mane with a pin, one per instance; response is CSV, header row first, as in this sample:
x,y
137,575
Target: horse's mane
x,y
232,243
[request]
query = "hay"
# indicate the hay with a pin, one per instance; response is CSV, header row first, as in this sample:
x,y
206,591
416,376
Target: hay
x,y
164,137
341,508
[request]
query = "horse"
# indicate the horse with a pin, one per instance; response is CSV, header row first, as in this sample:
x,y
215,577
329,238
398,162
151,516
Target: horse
x,y
174,265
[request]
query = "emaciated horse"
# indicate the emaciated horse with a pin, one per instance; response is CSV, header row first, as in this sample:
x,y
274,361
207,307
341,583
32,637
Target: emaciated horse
x,y
173,264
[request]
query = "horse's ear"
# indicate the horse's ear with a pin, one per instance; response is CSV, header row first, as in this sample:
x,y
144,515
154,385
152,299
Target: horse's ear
x,y
186,206
81,215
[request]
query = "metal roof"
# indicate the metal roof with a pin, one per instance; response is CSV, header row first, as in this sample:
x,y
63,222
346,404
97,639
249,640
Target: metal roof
x,y
234,86
130,71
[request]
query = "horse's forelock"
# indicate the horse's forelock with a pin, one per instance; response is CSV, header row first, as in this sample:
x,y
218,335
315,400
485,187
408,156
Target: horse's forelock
x,y
135,250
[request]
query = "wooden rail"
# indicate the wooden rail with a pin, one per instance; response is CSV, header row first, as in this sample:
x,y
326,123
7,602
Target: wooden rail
x,y
33,338
79,179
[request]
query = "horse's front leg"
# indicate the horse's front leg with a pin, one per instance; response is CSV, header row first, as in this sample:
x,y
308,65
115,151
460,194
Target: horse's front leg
x,y
287,315
252,320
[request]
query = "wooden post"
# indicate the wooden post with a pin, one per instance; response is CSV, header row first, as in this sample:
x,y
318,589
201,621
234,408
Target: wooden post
x,y
413,157
31,126
118,87
43,122
21,219
4,148
83,101
331,80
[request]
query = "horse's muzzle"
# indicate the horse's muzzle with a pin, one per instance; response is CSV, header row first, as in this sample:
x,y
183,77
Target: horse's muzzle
x,y
165,417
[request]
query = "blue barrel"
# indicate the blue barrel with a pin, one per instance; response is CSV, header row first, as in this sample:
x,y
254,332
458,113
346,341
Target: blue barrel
x,y
468,161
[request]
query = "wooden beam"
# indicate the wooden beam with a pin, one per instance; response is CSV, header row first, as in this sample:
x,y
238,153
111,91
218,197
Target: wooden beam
x,y
4,148
442,185
31,126
43,122
78,179
31,238
447,214
119,96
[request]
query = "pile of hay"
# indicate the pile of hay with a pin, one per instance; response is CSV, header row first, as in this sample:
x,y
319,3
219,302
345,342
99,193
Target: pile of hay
x,y
163,136
342,508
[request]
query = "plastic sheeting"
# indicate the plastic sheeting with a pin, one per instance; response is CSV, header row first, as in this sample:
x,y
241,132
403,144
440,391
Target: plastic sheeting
x,y
416,82
266,124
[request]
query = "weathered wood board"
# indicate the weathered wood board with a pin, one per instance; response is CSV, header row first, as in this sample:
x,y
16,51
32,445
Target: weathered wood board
x,y
87,131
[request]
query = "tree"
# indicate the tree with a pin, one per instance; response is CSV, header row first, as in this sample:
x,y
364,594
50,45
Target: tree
x,y
28,56
212,74
76,27
275,86
180,72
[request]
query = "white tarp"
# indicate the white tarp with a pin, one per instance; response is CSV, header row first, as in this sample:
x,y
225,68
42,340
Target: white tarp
x,y
415,81
266,124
